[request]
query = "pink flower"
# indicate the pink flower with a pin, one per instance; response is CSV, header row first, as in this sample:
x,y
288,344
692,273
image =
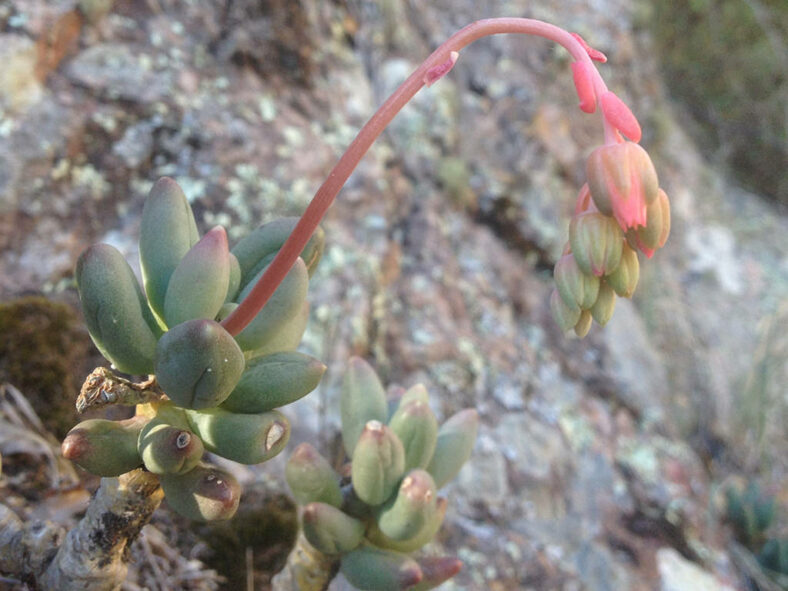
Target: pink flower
x,y
619,116
623,182
582,75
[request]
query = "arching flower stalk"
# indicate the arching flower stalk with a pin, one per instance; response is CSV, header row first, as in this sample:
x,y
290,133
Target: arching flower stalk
x,y
623,207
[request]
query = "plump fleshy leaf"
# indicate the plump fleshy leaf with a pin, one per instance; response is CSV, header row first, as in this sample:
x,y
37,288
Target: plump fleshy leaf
x,y
378,463
256,250
274,380
424,536
167,232
311,478
413,507
330,530
454,446
167,449
415,425
243,438
205,493
198,286
198,364
284,308
373,569
105,448
118,318
362,399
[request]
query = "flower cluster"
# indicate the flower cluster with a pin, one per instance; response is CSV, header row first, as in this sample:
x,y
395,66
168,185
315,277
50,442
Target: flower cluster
x,y
620,210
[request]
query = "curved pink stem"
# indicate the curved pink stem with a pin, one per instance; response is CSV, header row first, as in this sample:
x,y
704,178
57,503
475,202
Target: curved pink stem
x,y
437,64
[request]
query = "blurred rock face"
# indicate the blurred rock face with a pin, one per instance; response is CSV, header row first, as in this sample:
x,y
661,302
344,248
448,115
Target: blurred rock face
x,y
592,456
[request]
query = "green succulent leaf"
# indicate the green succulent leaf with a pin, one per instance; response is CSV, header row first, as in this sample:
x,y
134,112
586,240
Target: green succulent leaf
x,y
205,493
362,399
115,310
424,536
234,284
330,530
437,570
105,448
454,446
311,478
378,463
243,438
256,250
273,381
167,449
284,308
198,286
414,506
416,426
198,364
167,232
374,569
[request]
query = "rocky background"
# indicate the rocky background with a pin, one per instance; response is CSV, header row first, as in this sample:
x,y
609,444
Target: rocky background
x,y
600,462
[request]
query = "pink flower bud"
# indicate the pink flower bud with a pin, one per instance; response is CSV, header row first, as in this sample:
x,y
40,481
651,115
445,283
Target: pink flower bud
x,y
597,242
584,202
564,316
625,278
655,233
623,182
577,289
584,324
594,54
619,116
602,310
584,84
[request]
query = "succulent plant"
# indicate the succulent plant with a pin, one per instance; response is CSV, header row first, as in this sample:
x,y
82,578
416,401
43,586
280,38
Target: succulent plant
x,y
209,389
386,505
215,329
